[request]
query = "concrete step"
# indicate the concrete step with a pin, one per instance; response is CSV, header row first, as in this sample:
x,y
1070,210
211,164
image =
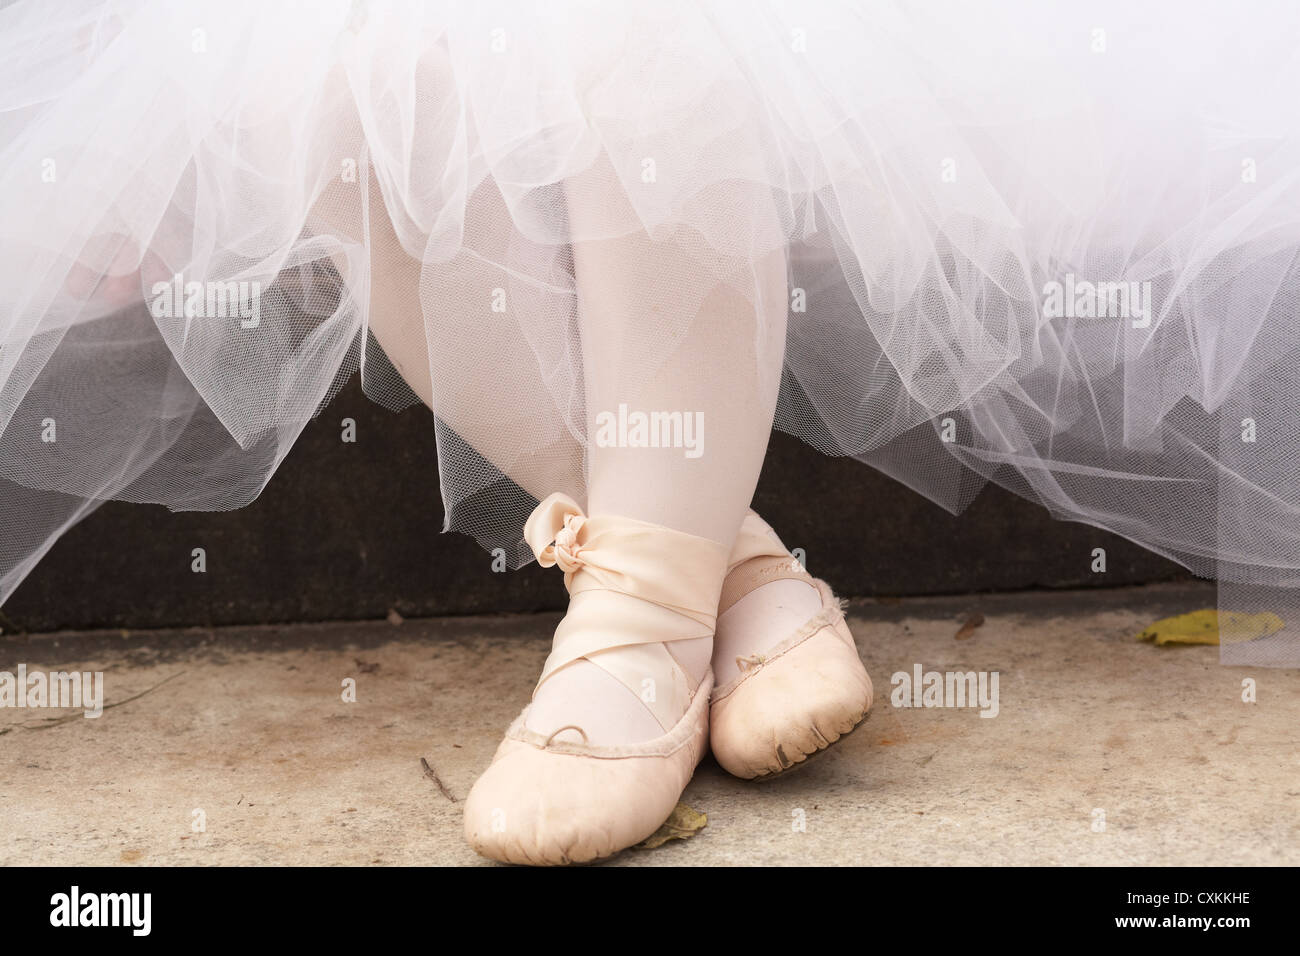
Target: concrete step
x,y
1103,750
350,531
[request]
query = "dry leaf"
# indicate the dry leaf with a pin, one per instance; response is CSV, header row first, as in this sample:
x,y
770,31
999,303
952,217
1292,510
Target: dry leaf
x,y
968,628
682,824
1212,627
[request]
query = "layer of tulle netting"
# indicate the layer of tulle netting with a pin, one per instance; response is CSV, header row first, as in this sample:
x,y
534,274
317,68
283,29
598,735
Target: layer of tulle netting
x,y
1052,246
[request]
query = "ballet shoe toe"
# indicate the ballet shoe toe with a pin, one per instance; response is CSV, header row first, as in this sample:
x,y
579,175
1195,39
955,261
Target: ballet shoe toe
x,y
790,706
534,807
553,804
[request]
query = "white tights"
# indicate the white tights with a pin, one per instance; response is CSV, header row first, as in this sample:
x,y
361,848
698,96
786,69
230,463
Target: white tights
x,y
666,326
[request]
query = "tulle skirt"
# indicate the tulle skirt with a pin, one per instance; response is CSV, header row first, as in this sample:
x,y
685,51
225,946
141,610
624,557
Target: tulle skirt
x,y
1052,246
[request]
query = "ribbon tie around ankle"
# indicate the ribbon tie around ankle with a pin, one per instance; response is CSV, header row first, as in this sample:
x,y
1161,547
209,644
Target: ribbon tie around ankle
x,y
634,586
564,549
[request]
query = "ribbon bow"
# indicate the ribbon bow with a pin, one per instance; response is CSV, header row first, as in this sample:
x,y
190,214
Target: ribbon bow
x,y
552,532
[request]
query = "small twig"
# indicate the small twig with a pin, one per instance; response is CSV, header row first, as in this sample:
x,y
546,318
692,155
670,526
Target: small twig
x,y
442,788
56,721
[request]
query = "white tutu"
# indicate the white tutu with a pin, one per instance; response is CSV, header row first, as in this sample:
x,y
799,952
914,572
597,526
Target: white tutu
x,y
1055,246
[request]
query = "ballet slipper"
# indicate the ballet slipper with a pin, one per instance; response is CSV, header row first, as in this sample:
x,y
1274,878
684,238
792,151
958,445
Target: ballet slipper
x,y
634,588
804,692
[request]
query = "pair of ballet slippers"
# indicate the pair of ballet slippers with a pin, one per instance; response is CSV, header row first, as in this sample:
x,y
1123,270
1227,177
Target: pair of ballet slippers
x,y
636,587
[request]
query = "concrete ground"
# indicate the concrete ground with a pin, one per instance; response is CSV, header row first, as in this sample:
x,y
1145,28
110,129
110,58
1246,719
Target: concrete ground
x,y
1103,751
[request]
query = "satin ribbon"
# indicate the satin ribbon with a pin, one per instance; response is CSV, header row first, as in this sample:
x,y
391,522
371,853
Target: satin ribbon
x,y
631,584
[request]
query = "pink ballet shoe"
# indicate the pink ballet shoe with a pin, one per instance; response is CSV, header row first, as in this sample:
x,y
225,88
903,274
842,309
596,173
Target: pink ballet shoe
x,y
634,588
801,694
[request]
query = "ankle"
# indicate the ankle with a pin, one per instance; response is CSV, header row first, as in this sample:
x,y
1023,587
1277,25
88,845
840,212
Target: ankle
x,y
637,640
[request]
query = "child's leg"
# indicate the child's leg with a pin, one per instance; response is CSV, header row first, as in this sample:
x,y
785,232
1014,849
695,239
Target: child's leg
x,y
476,357
669,328
664,335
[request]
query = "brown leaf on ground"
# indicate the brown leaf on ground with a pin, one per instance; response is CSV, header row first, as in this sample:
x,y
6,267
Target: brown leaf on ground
x,y
971,624
682,824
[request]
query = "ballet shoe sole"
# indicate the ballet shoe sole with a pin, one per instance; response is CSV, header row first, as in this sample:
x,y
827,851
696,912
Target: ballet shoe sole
x,y
805,758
